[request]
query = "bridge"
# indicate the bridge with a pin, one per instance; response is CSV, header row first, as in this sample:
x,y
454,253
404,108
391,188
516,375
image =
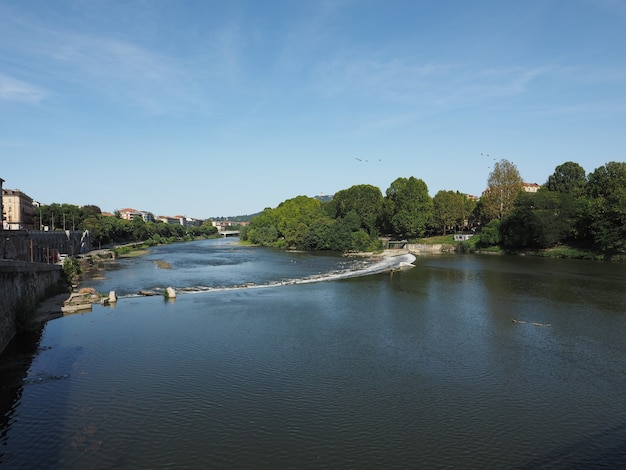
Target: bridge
x,y
229,233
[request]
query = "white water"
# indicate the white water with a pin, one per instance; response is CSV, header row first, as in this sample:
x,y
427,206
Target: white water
x,y
383,265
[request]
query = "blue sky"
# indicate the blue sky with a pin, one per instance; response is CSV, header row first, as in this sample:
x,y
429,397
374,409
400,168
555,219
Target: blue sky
x,y
217,108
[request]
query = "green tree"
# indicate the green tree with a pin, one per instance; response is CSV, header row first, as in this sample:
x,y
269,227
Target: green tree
x,y
607,207
451,209
539,220
490,234
568,178
365,200
294,216
408,207
503,186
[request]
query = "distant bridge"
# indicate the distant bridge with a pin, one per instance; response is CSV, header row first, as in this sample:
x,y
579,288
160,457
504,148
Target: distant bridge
x,y
229,233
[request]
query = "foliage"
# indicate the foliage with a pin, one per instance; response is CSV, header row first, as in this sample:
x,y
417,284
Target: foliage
x,y
469,246
490,234
71,270
64,216
408,208
588,212
607,209
366,201
303,223
568,178
451,209
538,220
503,186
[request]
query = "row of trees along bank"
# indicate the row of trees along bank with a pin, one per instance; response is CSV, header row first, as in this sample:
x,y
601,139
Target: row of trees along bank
x,y
572,207
107,230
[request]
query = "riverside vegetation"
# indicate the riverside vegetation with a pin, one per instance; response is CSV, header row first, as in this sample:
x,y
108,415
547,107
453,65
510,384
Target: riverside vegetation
x,y
572,215
107,230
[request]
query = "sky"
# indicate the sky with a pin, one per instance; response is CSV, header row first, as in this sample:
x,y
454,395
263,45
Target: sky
x,y
219,108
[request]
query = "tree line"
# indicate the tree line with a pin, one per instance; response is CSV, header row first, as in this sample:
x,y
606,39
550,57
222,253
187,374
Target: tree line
x,y
356,217
570,208
107,230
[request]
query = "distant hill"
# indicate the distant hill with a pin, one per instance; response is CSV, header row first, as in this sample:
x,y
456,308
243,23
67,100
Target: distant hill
x,y
324,197
249,217
237,218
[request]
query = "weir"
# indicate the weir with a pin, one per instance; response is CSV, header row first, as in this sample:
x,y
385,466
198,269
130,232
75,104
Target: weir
x,y
385,264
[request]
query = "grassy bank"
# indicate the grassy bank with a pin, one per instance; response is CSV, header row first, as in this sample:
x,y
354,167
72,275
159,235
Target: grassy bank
x,y
562,251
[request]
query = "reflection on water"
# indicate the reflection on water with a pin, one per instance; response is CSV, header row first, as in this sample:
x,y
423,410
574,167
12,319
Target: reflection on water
x,y
419,368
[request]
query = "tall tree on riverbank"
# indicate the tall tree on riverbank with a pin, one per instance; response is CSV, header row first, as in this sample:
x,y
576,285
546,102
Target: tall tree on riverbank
x,y
503,186
408,207
568,178
451,209
365,200
607,208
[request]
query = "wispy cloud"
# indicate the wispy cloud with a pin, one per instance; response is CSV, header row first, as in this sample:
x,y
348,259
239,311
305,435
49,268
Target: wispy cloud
x,y
12,89
429,83
116,67
123,71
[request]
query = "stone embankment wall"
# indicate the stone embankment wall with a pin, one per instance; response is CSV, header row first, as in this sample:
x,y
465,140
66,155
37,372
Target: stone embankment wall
x,y
21,285
420,249
41,246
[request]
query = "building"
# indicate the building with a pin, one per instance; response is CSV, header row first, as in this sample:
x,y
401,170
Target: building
x,y
170,220
18,212
223,225
1,210
462,237
130,214
531,187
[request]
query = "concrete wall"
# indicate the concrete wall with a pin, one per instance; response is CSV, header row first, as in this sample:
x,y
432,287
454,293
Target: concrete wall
x,y
429,249
22,284
41,246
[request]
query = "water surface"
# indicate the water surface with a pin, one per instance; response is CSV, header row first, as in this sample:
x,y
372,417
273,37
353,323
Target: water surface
x,y
420,368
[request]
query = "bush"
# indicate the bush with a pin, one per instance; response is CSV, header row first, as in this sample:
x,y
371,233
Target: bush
x,y
71,270
490,234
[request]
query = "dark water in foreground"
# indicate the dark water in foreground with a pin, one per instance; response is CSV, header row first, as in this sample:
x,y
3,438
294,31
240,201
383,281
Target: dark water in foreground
x,y
422,368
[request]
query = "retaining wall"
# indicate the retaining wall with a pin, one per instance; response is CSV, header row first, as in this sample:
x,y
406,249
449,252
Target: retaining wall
x,y
430,249
41,246
22,284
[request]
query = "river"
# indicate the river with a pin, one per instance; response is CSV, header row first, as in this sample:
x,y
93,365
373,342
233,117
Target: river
x,y
463,361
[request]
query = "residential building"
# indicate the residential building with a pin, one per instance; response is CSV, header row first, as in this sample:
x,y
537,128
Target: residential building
x,y
170,220
130,214
531,187
1,209
17,210
225,224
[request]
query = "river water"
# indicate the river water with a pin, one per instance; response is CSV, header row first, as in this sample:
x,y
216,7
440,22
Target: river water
x,y
416,368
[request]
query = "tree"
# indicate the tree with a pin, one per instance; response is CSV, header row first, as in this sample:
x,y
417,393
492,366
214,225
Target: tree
x,y
503,186
451,209
607,208
490,234
568,178
569,181
294,216
539,220
365,200
408,207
